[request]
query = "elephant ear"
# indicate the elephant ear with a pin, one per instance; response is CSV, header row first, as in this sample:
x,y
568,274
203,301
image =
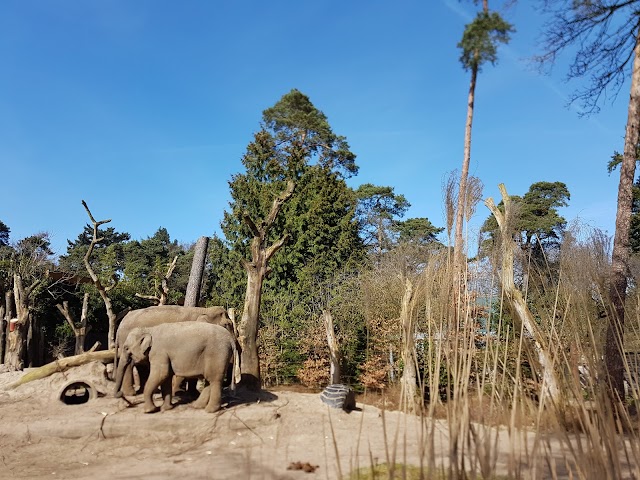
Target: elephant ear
x,y
145,343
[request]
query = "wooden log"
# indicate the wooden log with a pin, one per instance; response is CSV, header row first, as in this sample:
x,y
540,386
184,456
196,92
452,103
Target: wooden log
x,y
104,356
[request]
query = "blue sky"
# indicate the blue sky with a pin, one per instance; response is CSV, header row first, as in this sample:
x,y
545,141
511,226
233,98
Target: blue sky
x,y
143,109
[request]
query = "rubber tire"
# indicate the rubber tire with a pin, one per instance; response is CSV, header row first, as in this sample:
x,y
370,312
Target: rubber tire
x,y
339,396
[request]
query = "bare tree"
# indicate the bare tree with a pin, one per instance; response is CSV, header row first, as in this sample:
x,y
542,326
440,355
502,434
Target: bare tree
x,y
80,332
102,290
16,339
257,269
607,37
408,381
163,289
334,348
515,299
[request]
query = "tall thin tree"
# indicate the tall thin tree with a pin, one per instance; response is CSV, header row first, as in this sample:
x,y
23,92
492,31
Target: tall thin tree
x,y
607,37
479,45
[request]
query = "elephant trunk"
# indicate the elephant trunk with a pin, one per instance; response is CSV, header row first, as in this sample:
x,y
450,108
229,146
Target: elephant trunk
x,y
122,365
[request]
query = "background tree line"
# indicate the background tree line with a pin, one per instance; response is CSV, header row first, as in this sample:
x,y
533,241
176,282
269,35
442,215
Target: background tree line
x,y
348,251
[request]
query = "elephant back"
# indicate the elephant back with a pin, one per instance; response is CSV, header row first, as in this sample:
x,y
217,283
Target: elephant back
x,y
157,315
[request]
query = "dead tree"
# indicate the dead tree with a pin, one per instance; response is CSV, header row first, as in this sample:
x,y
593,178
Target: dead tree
x,y
408,381
334,348
8,315
257,269
515,300
192,296
80,332
102,290
60,365
163,288
19,326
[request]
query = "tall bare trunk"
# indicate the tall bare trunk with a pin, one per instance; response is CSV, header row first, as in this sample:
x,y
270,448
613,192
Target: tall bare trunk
x,y
408,381
334,349
192,296
614,342
458,246
248,328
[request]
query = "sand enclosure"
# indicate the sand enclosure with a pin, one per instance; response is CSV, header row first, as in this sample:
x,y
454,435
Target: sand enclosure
x,y
273,435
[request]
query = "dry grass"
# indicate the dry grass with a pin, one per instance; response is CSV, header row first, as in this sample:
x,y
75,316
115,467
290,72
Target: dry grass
x,y
490,390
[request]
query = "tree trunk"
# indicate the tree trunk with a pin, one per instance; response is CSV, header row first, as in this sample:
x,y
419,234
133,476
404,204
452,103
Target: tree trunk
x,y
408,381
8,315
334,349
248,328
614,342
516,302
257,269
16,355
192,297
32,342
2,332
102,290
80,332
105,356
458,246
16,341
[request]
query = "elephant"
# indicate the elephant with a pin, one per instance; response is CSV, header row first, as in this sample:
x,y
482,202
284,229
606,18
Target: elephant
x,y
152,316
187,349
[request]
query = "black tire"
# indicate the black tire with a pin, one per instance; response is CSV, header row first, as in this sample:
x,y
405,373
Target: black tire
x,y
339,396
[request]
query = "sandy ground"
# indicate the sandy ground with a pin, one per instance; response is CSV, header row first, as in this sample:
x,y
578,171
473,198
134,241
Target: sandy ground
x,y
251,438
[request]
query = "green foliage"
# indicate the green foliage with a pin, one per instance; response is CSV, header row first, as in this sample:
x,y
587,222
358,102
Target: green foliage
x,y
378,209
417,230
146,263
537,223
295,143
107,258
480,40
303,133
4,234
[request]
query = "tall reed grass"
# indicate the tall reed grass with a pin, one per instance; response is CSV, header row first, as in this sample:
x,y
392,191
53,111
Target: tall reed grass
x,y
479,374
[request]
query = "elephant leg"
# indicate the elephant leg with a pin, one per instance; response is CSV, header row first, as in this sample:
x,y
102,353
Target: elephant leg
x,y
165,388
203,399
176,384
127,387
143,375
154,381
215,394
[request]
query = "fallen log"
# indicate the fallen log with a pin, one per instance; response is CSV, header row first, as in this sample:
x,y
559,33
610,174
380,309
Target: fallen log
x,y
62,364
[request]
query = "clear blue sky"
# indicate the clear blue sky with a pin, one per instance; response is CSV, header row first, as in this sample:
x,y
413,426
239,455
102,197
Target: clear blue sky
x,y
144,108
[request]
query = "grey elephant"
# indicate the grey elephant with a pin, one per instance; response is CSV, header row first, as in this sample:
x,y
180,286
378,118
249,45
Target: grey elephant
x,y
189,350
152,316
